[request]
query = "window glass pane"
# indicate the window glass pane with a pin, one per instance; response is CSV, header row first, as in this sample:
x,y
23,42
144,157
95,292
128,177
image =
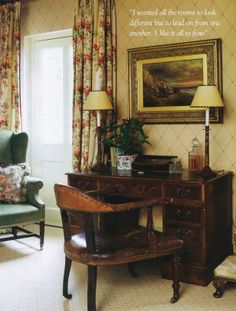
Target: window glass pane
x,y
52,95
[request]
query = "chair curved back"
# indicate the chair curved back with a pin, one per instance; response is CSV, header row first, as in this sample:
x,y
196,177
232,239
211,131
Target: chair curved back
x,y
98,202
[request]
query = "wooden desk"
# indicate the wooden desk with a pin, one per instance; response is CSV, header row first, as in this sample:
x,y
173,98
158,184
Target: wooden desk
x,y
200,212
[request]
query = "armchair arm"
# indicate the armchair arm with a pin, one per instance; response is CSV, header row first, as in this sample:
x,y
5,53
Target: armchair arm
x,y
33,185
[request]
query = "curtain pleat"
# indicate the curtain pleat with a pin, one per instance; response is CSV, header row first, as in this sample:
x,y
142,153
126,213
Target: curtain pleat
x,y
10,114
94,44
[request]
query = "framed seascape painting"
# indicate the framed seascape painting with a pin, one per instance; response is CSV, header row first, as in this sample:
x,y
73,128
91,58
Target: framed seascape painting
x,y
163,80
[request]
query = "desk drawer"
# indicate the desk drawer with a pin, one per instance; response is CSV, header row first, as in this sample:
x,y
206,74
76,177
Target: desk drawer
x,y
193,192
148,188
192,249
114,185
187,233
83,183
183,213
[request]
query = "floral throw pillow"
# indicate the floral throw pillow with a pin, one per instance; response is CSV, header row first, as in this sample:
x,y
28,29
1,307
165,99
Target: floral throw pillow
x,y
13,184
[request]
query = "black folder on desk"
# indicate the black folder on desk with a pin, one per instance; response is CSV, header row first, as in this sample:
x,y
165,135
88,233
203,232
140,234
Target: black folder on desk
x,y
152,164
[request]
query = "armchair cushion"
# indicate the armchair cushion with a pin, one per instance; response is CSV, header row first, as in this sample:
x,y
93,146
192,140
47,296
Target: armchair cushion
x,y
12,184
13,147
15,214
19,146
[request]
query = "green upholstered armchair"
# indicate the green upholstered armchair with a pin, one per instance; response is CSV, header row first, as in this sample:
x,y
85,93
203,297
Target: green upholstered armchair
x,y
13,149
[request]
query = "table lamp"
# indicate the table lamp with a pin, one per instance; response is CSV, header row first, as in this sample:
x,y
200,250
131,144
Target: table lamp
x,y
207,96
98,101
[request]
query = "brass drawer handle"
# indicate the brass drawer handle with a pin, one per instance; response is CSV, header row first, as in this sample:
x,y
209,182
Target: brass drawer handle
x,y
83,184
178,214
112,187
183,233
188,215
187,232
171,201
186,193
148,189
178,192
183,215
183,193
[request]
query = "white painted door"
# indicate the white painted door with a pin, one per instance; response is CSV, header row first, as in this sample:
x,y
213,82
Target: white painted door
x,y
50,119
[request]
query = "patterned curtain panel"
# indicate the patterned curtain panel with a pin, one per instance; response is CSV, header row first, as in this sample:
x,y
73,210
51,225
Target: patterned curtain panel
x,y
94,43
9,64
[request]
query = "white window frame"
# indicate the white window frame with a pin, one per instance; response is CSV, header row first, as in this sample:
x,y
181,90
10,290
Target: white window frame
x,y
26,77
27,63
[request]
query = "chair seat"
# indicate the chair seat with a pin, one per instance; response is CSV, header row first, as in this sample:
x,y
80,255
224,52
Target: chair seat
x,y
118,249
227,269
14,214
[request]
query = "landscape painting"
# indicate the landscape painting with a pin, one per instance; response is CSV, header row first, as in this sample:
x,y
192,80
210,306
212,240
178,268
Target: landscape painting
x,y
171,82
163,80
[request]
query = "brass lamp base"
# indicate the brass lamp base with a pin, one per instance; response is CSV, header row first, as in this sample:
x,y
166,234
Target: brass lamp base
x,y
207,172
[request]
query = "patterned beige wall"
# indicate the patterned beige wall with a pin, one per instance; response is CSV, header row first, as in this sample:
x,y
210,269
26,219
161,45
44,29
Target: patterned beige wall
x,y
39,16
50,15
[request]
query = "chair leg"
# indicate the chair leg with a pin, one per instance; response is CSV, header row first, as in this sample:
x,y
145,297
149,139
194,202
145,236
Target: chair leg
x,y
219,285
176,285
66,277
41,233
91,293
14,231
132,271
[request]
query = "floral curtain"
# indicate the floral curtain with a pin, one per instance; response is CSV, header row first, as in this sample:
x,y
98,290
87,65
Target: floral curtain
x,y
9,64
94,44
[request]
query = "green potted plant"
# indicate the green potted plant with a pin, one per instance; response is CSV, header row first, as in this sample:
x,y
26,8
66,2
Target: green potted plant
x,y
125,138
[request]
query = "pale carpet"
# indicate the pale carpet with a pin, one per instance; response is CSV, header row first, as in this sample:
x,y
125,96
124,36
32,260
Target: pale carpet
x,y
31,280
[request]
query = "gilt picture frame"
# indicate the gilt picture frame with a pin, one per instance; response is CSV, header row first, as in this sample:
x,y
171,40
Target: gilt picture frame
x,y
164,78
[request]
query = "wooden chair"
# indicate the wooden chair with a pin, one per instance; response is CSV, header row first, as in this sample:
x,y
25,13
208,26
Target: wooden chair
x,y
95,247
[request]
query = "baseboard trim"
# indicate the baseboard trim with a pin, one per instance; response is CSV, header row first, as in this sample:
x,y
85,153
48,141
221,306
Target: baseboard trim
x,y
53,217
